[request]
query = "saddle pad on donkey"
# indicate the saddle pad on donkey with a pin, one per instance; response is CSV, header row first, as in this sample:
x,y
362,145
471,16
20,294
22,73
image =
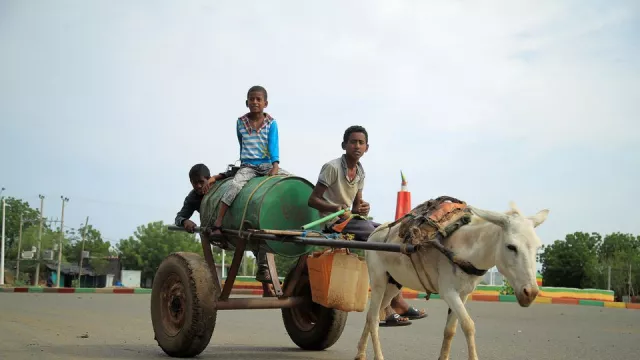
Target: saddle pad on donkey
x,y
433,218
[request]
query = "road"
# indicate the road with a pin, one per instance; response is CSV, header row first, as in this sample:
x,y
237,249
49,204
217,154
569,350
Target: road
x,y
106,326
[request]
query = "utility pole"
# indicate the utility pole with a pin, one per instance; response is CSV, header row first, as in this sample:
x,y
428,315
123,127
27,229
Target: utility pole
x,y
36,281
19,248
4,206
84,233
64,200
630,287
609,278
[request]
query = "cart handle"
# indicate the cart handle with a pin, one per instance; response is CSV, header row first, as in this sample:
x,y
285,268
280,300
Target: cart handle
x,y
323,220
364,245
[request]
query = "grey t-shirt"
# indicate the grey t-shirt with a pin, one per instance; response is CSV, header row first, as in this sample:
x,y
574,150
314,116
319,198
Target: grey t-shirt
x,y
339,189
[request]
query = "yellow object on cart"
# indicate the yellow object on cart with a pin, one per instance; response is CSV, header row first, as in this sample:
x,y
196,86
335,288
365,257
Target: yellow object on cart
x,y
339,280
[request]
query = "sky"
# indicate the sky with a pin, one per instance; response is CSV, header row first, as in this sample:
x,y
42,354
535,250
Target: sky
x,y
536,102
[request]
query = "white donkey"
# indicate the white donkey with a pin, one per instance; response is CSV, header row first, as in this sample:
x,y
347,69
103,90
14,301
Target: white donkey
x,y
506,240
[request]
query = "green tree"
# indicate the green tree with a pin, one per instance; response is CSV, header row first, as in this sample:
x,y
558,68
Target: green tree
x,y
151,243
619,252
93,243
14,208
572,262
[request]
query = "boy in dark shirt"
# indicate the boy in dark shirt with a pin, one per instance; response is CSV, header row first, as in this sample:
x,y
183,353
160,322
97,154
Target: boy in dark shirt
x,y
201,180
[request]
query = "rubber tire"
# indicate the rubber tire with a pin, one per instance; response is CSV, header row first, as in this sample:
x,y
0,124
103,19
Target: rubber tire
x,y
325,332
200,305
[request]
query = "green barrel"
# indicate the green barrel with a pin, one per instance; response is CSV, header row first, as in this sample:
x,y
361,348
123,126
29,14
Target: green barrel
x,y
273,203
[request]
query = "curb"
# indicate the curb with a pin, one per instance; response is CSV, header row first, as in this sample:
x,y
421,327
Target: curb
x,y
253,290
41,290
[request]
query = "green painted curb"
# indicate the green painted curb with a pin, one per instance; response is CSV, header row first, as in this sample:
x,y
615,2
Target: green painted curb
x,y
591,303
35,289
141,291
85,291
577,291
507,298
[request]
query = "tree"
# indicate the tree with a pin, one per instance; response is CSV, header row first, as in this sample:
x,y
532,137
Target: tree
x,y
619,252
14,208
151,243
93,243
572,262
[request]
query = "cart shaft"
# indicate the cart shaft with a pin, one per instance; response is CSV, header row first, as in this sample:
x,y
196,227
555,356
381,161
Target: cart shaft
x,y
399,248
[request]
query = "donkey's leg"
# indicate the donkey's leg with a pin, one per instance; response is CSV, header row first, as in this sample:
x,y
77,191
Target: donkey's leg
x,y
468,327
364,338
449,333
378,281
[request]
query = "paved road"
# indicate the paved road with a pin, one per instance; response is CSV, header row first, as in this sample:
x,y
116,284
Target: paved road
x,y
51,326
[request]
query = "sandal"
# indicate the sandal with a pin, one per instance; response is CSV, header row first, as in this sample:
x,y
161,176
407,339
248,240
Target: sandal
x,y
414,314
395,320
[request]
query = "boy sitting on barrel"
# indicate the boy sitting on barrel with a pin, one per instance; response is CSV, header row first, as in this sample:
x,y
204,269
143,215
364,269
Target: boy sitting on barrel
x,y
201,180
340,186
257,134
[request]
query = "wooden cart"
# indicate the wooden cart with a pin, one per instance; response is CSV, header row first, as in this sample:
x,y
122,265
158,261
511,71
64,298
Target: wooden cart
x,y
187,295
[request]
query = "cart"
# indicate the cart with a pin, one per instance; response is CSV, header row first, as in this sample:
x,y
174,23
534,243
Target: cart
x,y
187,295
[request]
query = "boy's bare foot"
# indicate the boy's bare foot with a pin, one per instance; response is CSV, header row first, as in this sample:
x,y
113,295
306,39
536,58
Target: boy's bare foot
x,y
216,230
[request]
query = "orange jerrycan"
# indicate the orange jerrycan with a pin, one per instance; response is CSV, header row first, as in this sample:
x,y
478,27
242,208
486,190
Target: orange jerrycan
x,y
339,280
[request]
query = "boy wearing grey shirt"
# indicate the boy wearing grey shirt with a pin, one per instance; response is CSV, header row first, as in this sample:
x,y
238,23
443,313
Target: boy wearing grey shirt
x,y
340,186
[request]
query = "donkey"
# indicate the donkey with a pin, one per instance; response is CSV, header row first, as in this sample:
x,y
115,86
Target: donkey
x,y
505,240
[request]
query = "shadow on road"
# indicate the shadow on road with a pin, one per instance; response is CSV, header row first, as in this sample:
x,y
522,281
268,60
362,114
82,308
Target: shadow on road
x,y
139,351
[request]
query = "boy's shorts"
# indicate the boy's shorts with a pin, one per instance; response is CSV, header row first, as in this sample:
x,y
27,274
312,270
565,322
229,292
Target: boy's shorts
x,y
360,228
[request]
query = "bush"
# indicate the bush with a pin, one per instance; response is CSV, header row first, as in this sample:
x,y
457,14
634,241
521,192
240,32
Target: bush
x,y
507,289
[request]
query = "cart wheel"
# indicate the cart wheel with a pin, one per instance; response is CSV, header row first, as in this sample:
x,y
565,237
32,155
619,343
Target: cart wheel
x,y
312,326
183,305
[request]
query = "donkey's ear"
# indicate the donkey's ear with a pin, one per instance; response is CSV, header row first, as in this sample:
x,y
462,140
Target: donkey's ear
x,y
539,218
500,219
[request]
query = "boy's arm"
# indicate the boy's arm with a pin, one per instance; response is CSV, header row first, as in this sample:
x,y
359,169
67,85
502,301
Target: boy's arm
x,y
316,200
360,206
239,137
328,176
273,147
187,210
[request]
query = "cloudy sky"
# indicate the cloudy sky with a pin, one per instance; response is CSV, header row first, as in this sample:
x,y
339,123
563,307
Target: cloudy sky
x,y
110,103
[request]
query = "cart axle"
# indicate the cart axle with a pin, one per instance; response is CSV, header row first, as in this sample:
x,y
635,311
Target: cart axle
x,y
259,303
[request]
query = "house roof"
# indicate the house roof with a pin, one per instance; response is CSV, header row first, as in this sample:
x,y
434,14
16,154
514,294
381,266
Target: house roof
x,y
70,269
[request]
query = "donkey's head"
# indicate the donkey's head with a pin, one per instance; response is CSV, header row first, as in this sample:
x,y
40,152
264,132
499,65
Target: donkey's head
x,y
516,249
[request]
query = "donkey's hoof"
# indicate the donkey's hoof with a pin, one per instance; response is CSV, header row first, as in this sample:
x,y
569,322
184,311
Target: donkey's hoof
x,y
361,357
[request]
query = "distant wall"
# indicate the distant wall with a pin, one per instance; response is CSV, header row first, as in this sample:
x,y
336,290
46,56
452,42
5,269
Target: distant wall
x,y
545,291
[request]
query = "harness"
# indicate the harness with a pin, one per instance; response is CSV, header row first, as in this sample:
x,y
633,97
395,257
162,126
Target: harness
x,y
427,226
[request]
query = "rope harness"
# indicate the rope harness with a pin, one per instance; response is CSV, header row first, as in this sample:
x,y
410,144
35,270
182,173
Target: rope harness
x,y
427,226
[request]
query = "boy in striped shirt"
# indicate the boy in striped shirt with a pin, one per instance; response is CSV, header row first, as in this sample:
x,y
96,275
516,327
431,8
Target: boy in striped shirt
x,y
257,135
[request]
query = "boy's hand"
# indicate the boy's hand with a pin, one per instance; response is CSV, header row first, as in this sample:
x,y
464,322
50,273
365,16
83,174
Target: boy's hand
x,y
347,213
363,208
274,170
207,186
189,226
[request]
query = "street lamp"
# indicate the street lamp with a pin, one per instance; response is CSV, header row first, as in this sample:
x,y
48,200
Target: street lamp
x,y
37,278
4,206
64,200
4,210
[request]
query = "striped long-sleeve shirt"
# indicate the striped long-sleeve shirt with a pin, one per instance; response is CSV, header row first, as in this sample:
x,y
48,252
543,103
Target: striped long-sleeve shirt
x,y
258,147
